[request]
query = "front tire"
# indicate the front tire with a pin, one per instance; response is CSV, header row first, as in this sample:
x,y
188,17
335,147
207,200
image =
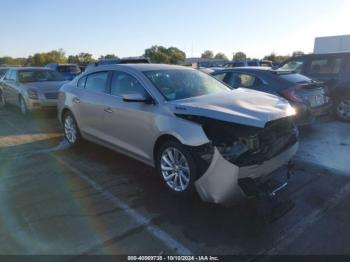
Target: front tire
x,y
23,106
2,100
176,167
71,130
343,109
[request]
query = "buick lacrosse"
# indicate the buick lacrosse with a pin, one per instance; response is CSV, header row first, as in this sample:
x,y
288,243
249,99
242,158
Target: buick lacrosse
x,y
199,134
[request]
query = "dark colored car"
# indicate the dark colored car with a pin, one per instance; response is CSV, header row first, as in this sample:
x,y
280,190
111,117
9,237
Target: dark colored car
x,y
69,71
332,69
116,61
306,95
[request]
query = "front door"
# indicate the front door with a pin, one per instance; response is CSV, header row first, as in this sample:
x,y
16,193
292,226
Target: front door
x,y
129,125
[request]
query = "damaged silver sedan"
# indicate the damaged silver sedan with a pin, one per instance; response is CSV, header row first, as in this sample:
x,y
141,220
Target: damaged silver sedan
x,y
199,134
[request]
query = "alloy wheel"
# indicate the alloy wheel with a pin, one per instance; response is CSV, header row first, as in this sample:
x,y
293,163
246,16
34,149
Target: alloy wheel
x,y
175,169
343,109
70,129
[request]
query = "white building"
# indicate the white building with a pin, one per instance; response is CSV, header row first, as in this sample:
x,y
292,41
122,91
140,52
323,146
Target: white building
x,y
332,44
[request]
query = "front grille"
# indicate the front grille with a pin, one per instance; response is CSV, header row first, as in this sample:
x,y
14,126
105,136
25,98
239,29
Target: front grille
x,y
51,95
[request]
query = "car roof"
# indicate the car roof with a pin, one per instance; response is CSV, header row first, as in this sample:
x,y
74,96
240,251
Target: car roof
x,y
320,54
144,67
254,69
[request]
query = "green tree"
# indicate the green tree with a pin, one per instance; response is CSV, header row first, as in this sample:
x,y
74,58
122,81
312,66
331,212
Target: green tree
x,y
109,56
220,56
81,59
239,56
161,54
40,59
175,55
207,54
276,58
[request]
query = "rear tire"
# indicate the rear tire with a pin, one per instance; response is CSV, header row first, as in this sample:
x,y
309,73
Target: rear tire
x,y
342,109
71,129
176,167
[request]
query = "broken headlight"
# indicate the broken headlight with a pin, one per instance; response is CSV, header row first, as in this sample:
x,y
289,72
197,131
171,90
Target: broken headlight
x,y
233,150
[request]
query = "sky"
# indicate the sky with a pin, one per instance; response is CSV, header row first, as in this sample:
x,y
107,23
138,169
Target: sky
x,y
128,27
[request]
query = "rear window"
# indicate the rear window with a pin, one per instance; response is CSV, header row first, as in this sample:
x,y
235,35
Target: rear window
x,y
69,69
295,78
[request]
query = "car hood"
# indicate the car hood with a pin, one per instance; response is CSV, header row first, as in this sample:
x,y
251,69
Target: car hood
x,y
241,106
43,87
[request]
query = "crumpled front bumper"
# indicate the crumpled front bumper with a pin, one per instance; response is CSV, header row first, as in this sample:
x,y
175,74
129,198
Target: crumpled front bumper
x,y
219,184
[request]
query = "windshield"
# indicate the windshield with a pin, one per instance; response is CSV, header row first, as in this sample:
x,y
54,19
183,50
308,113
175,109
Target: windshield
x,y
294,65
69,69
27,76
2,72
181,84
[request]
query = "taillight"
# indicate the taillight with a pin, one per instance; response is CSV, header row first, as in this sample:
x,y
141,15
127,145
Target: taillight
x,y
290,94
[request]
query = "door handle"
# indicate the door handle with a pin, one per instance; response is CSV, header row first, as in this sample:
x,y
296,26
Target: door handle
x,y
108,110
76,100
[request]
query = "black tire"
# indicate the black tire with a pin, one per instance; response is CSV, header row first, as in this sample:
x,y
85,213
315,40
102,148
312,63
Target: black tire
x,y
23,106
342,109
68,117
193,174
2,100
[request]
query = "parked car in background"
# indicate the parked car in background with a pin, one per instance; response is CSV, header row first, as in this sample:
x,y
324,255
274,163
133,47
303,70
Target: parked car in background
x,y
307,96
264,63
198,133
332,69
69,71
31,88
126,60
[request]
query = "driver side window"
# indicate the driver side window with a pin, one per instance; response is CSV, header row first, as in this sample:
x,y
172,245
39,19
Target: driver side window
x,y
125,84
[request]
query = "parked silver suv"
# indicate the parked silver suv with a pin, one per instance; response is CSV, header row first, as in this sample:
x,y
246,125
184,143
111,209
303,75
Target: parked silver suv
x,y
198,133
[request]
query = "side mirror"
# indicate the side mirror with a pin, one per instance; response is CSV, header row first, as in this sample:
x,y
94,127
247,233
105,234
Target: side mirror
x,y
140,98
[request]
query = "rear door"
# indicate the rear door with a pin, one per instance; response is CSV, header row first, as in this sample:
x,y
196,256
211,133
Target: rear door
x,y
89,105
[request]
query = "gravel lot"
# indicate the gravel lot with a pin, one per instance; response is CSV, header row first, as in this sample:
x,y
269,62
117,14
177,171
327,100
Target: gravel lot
x,y
90,200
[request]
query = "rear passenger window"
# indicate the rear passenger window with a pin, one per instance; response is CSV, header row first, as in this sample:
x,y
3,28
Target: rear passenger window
x,y
97,82
242,80
326,66
81,82
125,84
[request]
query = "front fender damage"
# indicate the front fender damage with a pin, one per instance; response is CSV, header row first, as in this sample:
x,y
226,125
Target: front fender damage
x,y
220,183
237,152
